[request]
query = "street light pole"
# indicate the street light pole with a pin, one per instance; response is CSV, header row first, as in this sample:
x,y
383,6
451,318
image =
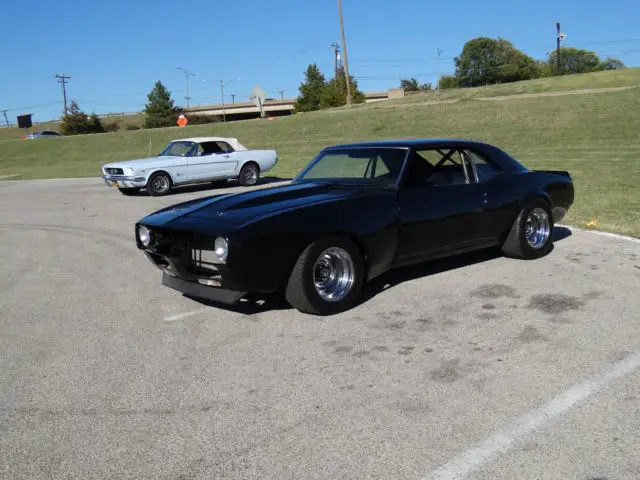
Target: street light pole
x,y
224,115
344,50
186,76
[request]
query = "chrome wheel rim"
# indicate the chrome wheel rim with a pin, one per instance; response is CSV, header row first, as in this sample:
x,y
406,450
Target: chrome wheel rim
x,y
334,274
250,176
537,228
160,184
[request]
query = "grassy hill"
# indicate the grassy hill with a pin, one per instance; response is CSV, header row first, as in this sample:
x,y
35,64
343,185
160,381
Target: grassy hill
x,y
595,136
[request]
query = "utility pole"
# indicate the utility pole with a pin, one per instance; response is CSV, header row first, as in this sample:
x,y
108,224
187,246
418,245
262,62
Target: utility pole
x,y
438,81
233,98
224,115
336,56
186,76
281,95
4,112
559,38
558,48
344,49
62,78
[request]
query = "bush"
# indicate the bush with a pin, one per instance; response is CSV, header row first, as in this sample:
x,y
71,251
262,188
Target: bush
x,y
201,119
113,126
133,127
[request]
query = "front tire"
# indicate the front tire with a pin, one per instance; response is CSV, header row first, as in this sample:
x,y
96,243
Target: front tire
x,y
327,277
159,184
249,175
531,235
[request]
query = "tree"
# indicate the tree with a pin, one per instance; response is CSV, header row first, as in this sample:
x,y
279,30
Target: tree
x,y
447,81
76,122
334,93
160,111
412,85
310,90
611,64
574,60
486,61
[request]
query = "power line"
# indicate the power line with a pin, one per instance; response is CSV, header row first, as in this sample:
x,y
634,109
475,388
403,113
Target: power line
x,y
529,49
62,78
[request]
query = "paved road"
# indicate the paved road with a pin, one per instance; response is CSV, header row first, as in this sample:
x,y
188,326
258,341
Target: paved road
x,y
485,366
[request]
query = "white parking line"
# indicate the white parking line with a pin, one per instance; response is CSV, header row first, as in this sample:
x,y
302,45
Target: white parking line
x,y
501,441
180,316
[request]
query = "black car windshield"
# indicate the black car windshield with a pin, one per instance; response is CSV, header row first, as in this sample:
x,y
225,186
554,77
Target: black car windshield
x,y
368,165
178,149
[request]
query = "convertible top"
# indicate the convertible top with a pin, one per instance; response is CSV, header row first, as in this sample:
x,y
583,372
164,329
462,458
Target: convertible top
x,y
235,144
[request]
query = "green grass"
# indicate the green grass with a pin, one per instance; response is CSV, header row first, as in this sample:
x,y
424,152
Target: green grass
x,y
594,136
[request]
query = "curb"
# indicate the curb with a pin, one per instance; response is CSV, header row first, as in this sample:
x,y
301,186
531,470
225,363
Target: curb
x,y
600,232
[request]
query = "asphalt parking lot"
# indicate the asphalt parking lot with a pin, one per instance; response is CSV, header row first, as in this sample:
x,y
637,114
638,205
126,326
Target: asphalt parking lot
x,y
477,367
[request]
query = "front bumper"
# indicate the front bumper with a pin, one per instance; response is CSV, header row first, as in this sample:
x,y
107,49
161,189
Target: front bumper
x,y
205,292
124,181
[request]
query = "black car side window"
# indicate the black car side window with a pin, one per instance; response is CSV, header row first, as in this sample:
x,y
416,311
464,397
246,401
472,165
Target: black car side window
x,y
437,167
484,168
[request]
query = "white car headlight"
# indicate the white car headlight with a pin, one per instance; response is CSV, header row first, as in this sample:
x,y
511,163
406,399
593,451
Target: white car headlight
x,y
144,235
221,248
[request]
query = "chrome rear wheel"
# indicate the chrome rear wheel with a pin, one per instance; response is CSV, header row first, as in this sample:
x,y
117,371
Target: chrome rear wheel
x,y
537,228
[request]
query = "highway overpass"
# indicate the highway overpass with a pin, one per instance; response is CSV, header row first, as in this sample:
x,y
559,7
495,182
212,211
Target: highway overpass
x,y
272,108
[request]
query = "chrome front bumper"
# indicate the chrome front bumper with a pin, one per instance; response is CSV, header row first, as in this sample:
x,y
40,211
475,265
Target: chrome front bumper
x,y
124,181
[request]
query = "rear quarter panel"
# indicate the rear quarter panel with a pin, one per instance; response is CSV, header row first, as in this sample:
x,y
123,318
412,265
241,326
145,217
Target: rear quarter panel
x,y
266,159
508,194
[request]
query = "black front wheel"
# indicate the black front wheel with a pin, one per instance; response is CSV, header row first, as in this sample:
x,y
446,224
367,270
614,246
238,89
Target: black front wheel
x,y
159,184
327,278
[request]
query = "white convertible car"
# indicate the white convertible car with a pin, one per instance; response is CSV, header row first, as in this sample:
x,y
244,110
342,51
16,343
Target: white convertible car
x,y
188,161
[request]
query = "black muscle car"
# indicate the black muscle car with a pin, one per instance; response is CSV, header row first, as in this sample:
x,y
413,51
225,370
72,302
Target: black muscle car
x,y
354,212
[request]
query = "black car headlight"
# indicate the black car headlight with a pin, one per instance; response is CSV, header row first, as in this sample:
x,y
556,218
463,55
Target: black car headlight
x,y
221,247
144,235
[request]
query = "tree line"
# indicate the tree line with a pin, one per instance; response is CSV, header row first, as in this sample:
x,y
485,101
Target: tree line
x,y
489,61
483,61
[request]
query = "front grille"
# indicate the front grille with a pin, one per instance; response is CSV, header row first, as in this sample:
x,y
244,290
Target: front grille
x,y
204,262
114,171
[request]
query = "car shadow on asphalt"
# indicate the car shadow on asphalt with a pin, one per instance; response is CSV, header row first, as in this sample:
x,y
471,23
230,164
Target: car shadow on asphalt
x,y
221,185
255,304
396,277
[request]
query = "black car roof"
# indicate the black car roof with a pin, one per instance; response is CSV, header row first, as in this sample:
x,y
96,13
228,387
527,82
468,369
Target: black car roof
x,y
409,142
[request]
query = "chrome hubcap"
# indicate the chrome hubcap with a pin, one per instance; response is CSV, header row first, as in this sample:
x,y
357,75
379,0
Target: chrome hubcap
x,y
537,228
334,274
160,184
250,176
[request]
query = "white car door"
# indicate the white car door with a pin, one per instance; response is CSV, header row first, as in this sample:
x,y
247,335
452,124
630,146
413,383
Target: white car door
x,y
212,160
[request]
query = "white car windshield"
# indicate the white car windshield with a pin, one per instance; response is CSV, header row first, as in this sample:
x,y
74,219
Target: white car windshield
x,y
178,149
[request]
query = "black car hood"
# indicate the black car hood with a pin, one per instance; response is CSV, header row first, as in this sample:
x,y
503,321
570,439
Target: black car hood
x,y
234,210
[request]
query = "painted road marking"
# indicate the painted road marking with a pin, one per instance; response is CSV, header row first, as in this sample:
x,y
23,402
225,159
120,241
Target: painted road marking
x,y
502,440
181,316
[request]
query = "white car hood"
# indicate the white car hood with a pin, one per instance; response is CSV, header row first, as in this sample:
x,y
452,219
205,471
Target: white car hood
x,y
142,162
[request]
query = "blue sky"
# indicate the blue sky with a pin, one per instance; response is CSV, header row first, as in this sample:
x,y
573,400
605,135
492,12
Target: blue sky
x,y
115,50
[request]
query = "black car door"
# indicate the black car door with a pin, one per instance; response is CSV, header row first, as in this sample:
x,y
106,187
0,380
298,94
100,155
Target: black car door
x,y
441,206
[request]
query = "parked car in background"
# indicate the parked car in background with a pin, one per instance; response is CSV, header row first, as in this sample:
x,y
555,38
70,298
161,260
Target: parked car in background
x,y
355,212
190,161
42,134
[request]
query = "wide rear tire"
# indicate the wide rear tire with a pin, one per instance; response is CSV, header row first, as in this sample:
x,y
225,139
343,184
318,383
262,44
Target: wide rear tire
x,y
531,235
327,277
